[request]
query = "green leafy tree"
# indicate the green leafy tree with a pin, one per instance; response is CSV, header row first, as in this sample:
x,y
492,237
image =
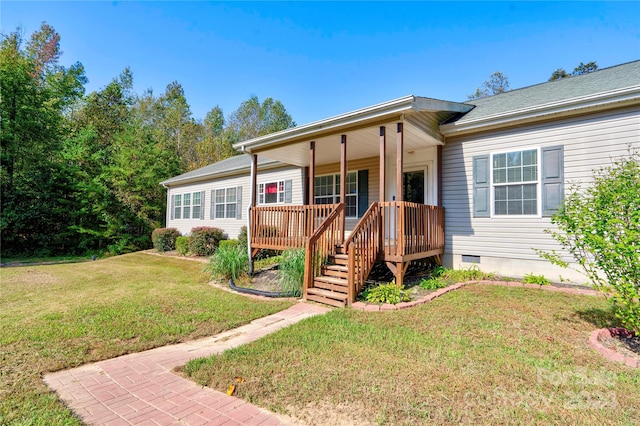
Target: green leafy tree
x,y
582,68
496,84
600,227
34,91
253,119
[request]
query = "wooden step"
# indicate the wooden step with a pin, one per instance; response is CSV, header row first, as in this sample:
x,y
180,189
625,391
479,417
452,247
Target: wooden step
x,y
332,280
327,297
339,259
339,271
339,288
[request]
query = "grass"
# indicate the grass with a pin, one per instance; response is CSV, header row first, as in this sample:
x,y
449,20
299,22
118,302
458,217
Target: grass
x,y
60,316
479,355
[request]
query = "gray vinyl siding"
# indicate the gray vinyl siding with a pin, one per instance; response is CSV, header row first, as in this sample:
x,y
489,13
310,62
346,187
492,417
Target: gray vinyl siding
x,y
231,226
590,142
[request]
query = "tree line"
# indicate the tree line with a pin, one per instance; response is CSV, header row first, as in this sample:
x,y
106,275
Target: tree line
x,y
80,173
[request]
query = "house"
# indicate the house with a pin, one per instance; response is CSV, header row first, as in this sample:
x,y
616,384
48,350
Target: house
x,y
218,195
471,183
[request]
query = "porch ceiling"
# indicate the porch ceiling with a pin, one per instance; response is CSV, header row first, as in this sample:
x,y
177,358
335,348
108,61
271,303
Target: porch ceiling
x,y
420,116
363,140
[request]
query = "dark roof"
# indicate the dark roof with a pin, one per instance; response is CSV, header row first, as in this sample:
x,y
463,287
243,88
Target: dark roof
x,y
603,80
232,165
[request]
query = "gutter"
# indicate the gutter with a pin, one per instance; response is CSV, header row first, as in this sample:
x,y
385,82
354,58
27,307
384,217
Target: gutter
x,y
387,109
605,100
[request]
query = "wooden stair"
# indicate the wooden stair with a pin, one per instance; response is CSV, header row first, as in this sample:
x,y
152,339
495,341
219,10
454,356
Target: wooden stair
x,y
331,286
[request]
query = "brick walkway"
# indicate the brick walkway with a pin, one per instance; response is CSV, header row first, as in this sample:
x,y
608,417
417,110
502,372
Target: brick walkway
x,y
141,389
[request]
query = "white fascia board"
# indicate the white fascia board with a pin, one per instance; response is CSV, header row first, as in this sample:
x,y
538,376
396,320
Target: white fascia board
x,y
227,173
567,107
380,111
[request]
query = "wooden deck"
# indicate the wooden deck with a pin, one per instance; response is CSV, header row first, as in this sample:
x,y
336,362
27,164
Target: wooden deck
x,y
395,232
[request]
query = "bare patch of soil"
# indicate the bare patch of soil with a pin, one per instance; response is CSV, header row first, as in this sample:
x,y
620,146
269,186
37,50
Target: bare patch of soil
x,y
324,413
264,280
625,344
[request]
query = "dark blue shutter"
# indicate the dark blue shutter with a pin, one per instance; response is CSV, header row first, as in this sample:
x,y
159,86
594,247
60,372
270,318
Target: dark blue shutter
x,y
202,205
363,192
212,213
552,179
239,202
288,189
481,186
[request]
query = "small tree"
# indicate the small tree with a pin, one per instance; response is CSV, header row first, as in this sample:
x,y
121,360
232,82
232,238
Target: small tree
x,y
600,227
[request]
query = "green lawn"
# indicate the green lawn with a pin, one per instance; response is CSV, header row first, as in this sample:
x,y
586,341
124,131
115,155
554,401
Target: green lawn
x,y
479,355
60,316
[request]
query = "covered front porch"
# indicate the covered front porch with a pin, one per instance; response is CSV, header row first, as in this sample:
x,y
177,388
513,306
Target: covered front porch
x,y
372,193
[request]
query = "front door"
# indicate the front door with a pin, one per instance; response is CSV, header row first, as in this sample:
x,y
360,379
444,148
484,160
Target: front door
x,y
413,186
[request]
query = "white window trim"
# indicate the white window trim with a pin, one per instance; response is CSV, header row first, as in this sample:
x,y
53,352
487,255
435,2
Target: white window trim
x,y
262,195
225,203
315,196
538,184
199,205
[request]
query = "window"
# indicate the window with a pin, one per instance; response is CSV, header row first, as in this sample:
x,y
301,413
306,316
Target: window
x,y
515,183
274,192
327,191
519,183
177,206
186,206
226,202
196,205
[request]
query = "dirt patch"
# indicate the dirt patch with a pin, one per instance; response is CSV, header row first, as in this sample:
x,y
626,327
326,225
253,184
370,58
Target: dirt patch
x,y
623,343
324,413
32,277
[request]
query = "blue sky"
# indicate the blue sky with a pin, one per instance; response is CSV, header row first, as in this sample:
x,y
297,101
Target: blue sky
x,y
327,58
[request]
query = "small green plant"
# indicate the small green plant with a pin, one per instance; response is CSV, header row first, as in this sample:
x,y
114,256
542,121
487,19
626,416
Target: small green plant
x,y
442,277
292,271
536,279
432,283
205,240
229,261
164,239
267,262
386,293
182,245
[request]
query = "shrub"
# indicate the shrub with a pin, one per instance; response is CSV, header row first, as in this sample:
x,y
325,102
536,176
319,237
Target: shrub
x,y
164,239
229,261
292,270
386,293
228,243
242,237
182,245
536,279
600,227
204,240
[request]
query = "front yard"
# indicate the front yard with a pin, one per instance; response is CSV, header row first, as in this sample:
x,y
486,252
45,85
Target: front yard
x,y
60,316
478,355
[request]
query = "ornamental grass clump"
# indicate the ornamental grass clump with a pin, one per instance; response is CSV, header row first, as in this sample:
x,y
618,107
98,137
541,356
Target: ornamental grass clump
x,y
292,271
599,226
229,261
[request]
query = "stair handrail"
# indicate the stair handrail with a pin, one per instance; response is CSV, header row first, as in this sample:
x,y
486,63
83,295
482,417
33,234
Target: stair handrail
x,y
363,247
321,244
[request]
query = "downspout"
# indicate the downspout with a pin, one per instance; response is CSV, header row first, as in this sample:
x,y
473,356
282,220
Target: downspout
x,y
251,197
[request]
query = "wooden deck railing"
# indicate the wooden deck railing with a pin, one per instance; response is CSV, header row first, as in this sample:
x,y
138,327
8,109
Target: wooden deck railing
x,y
281,227
411,230
321,244
363,248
